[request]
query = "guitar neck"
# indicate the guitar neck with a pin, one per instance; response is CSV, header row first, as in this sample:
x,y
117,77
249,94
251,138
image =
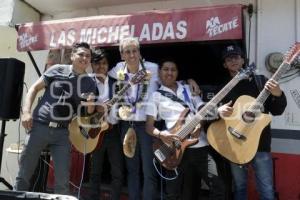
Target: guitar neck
x,y
264,94
138,77
201,114
119,95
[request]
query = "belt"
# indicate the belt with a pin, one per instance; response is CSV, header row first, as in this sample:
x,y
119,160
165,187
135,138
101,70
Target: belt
x,y
57,125
135,122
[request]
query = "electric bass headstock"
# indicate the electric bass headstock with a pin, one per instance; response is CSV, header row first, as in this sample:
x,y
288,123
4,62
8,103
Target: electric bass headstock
x,y
244,73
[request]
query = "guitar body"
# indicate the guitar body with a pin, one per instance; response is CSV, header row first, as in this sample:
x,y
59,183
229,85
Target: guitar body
x,y
85,133
175,154
172,153
236,138
85,138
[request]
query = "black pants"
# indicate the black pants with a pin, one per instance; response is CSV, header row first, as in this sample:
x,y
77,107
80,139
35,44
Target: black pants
x,y
196,164
112,145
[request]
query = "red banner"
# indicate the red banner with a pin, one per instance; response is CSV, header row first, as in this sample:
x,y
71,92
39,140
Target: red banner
x,y
195,24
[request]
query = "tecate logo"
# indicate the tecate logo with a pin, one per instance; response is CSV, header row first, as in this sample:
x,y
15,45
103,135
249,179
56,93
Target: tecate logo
x,y
26,40
214,27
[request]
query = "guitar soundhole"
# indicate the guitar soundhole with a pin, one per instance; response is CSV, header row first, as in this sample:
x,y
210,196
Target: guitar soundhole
x,y
248,117
94,132
93,121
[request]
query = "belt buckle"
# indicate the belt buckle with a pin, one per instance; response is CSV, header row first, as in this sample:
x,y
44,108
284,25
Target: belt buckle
x,y
53,124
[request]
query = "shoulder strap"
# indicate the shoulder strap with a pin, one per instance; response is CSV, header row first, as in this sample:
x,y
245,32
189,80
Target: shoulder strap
x,y
172,97
111,82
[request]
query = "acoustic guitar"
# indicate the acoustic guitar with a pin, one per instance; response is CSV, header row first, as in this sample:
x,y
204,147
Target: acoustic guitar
x,y
237,137
85,133
170,155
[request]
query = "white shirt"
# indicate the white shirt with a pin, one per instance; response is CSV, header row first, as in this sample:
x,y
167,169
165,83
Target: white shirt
x,y
103,89
131,94
161,107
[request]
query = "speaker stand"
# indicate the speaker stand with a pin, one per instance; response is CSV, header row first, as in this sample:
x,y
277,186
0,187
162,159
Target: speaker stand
x,y
2,135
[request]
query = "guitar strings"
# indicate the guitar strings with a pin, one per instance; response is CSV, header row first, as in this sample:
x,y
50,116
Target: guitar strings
x,y
189,127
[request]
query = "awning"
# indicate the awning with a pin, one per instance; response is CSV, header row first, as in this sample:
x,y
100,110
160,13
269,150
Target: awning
x,y
195,24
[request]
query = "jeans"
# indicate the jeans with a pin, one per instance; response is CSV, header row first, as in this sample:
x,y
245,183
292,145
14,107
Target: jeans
x,y
110,144
263,168
57,140
144,153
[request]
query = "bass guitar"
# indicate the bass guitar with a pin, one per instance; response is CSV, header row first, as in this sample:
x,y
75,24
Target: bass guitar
x,y
237,137
85,133
170,155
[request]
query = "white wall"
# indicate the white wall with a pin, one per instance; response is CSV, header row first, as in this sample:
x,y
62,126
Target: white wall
x,y
15,11
278,24
23,13
276,28
297,15
277,31
6,12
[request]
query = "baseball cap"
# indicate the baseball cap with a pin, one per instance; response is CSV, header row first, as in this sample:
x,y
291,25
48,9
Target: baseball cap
x,y
97,55
231,50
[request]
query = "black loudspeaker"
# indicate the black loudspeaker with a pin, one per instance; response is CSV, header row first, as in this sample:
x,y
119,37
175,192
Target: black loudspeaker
x,y
16,195
11,87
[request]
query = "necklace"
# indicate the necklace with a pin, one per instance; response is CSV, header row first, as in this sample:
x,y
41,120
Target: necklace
x,y
128,106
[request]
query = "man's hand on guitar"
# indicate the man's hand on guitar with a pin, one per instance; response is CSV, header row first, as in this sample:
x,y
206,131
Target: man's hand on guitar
x,y
273,87
90,97
101,108
27,120
194,87
225,110
89,102
167,137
